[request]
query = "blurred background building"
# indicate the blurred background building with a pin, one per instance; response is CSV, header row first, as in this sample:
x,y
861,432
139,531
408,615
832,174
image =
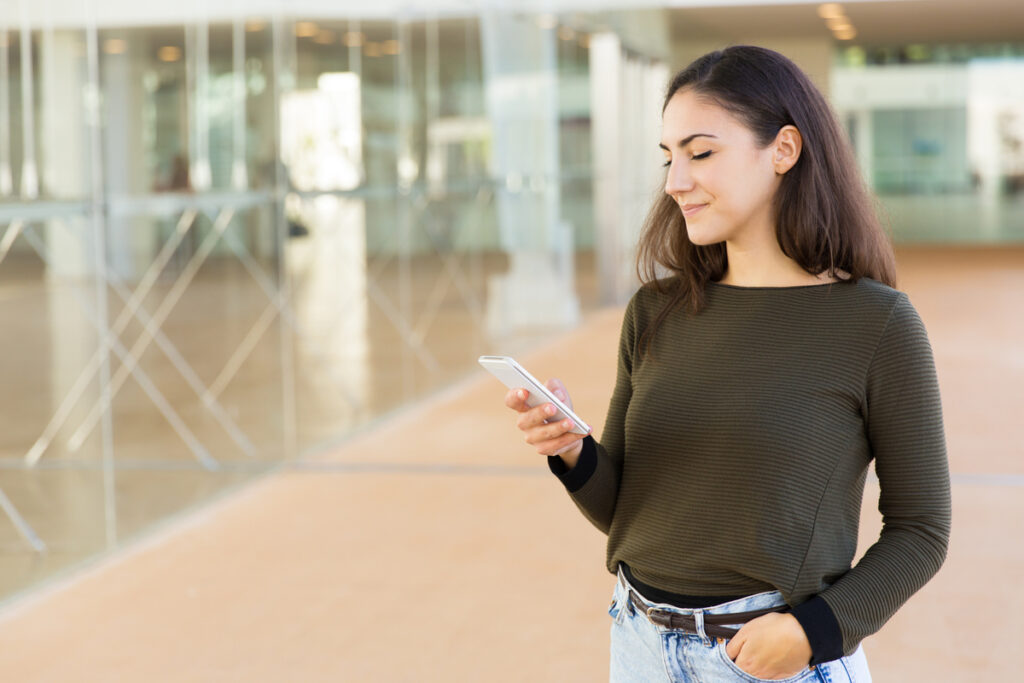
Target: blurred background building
x,y
233,232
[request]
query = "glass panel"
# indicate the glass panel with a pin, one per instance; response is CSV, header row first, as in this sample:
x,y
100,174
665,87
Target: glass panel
x,y
939,132
250,237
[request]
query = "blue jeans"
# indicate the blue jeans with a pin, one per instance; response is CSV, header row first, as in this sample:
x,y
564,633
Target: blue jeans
x,y
645,652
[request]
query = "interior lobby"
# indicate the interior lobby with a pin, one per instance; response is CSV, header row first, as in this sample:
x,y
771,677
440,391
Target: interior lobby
x,y
251,250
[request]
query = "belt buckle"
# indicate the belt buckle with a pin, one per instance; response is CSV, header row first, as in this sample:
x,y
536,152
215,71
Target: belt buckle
x,y
657,616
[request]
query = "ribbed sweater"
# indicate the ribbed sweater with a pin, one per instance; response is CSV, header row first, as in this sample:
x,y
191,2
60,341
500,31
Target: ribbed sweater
x,y
734,455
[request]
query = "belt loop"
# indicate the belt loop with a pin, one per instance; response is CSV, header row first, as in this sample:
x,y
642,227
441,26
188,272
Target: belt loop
x,y
698,619
627,592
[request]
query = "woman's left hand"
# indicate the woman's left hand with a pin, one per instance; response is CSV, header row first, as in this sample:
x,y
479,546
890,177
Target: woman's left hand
x,y
773,646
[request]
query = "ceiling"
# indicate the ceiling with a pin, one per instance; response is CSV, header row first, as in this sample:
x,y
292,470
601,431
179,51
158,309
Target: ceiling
x,y
877,23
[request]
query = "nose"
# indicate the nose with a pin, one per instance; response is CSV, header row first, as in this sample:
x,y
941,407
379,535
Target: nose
x,y
678,179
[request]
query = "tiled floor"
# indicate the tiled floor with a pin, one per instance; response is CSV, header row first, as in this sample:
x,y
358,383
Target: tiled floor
x,y
340,363
434,545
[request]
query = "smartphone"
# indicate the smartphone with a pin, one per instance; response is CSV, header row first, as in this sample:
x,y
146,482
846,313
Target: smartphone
x,y
514,376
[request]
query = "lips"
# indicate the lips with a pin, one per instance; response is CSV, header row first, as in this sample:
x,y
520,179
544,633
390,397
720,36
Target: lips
x,y
691,209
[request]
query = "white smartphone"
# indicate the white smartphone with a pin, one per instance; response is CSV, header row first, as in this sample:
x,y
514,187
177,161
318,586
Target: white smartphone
x,y
514,376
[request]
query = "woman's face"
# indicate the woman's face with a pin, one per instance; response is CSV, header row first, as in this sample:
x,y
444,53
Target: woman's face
x,y
722,181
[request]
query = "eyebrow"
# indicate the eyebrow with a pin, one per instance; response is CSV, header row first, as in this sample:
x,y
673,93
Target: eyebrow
x,y
685,141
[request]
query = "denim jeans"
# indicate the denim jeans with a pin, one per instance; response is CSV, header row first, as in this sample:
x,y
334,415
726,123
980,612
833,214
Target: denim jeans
x,y
645,652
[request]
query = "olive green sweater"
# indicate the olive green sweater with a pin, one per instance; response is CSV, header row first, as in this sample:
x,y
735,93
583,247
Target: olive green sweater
x,y
734,457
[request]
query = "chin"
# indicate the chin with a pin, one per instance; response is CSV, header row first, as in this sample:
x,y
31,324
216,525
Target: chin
x,y
703,238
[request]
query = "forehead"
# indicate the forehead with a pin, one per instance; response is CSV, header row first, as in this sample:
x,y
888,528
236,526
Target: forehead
x,y
688,113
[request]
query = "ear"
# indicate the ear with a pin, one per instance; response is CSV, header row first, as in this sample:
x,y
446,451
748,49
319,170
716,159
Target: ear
x,y
786,148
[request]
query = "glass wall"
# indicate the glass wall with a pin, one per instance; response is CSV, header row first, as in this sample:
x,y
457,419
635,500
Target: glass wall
x,y
140,281
225,245
939,130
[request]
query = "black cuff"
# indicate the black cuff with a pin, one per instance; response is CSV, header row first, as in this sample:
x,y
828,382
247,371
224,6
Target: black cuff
x,y
586,465
822,629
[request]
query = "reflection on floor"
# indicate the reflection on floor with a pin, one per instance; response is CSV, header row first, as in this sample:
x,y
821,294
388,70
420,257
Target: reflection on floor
x,y
351,353
436,546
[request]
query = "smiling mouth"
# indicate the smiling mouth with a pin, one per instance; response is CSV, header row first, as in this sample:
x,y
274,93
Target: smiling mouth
x,y
691,209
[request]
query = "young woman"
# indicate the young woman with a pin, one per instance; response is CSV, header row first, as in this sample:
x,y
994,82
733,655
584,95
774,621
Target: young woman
x,y
757,380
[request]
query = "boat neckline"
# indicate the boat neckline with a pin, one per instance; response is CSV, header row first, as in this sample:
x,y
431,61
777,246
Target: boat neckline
x,y
762,288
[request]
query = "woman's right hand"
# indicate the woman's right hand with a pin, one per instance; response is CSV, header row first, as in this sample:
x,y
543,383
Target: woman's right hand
x,y
553,438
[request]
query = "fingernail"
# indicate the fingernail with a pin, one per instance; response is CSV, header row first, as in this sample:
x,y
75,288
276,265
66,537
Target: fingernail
x,y
567,423
521,394
550,410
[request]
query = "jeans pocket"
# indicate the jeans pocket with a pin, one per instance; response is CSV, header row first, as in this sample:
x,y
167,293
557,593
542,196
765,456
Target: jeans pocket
x,y
617,610
805,674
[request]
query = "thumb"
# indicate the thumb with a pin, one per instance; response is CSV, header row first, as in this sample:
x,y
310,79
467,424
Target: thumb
x,y
558,389
733,647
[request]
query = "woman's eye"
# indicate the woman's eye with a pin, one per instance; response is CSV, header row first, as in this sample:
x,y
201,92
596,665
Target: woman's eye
x,y
695,157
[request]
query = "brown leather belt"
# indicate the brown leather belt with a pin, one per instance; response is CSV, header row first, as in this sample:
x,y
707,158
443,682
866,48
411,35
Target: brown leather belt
x,y
713,623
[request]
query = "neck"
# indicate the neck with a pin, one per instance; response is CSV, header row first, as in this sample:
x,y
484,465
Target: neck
x,y
764,265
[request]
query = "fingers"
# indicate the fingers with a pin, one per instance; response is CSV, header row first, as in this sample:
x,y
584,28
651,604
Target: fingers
x,y
547,432
559,390
549,438
535,417
558,445
516,400
575,439
772,647
556,387
733,647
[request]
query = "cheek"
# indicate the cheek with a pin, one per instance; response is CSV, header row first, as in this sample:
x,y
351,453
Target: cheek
x,y
762,173
751,184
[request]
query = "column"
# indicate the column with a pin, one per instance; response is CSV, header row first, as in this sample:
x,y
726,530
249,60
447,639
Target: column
x,y
520,82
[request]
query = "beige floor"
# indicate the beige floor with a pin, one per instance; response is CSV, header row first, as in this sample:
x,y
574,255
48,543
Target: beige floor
x,y
435,546
348,364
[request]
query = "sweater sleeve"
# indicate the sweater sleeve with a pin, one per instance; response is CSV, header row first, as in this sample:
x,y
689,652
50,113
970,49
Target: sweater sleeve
x,y
593,483
903,419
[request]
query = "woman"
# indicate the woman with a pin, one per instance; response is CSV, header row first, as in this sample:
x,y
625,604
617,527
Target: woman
x,y
756,382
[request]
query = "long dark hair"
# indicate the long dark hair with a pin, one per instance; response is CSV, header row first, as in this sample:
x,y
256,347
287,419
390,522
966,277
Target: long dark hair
x,y
825,219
